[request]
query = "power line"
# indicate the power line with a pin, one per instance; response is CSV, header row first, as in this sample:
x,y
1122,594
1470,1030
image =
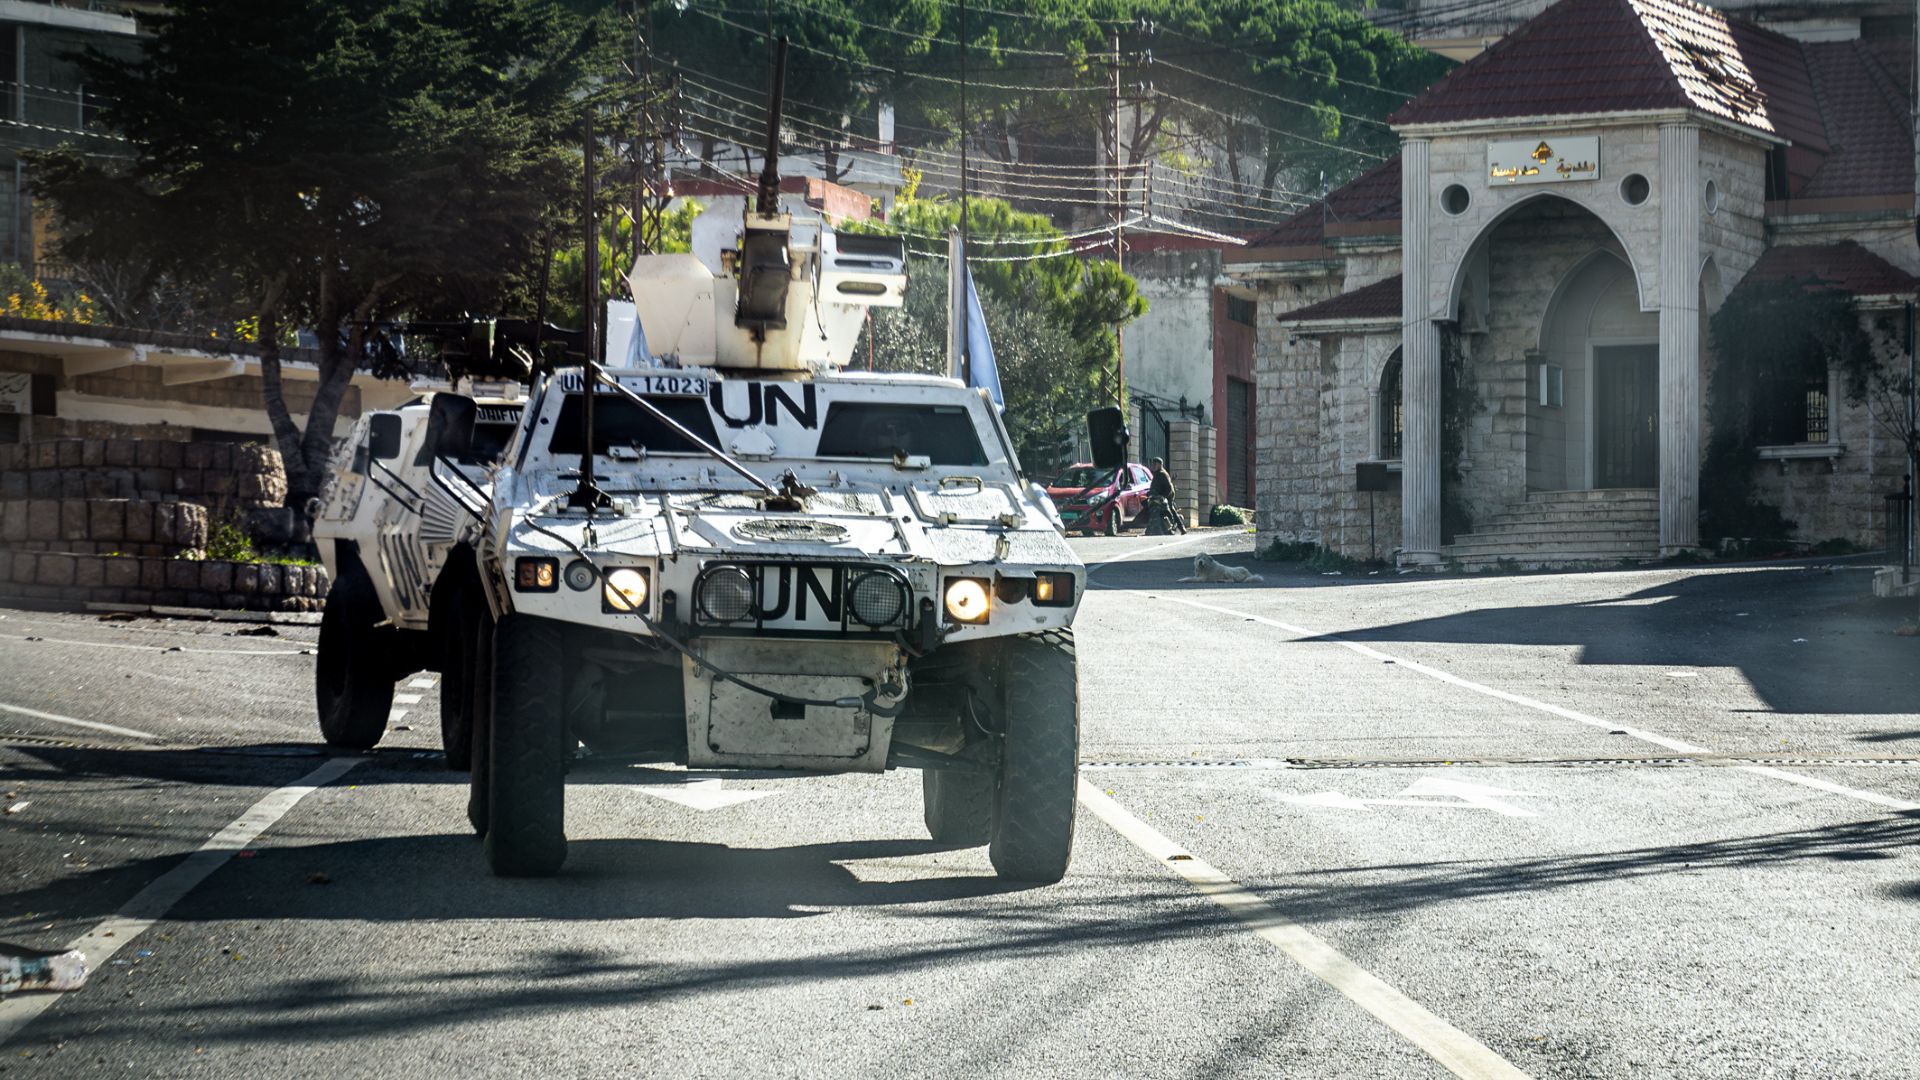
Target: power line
x,y
1215,45
1272,131
896,72
931,39
1266,94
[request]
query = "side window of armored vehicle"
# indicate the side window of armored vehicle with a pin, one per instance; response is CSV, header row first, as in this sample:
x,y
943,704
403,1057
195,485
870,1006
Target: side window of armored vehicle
x,y
619,422
492,432
944,433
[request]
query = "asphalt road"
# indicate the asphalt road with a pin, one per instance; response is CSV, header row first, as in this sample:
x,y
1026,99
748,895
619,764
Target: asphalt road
x,y
1645,823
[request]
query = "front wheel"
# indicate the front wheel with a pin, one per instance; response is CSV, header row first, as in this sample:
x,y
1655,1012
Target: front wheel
x,y
353,674
527,750
1033,805
1112,527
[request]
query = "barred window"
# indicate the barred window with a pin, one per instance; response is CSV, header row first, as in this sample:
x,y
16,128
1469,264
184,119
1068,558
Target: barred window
x,y
1390,408
1794,407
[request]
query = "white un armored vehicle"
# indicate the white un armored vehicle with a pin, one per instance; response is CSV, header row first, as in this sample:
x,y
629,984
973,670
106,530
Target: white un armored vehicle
x,y
737,555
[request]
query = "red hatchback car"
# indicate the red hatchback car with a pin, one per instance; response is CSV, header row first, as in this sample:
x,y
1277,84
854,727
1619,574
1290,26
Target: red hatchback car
x,y
1097,501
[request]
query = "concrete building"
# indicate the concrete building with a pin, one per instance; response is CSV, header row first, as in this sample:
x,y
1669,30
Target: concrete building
x,y
1568,209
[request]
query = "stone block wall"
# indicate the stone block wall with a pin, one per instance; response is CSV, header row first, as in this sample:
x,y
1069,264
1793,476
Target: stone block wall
x,y
225,477
112,519
1290,459
76,578
104,526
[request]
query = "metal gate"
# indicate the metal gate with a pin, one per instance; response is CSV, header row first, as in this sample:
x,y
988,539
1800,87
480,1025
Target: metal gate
x,y
1239,488
1154,432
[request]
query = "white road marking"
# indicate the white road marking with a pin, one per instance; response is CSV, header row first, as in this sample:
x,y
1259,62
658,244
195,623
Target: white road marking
x,y
152,903
701,795
56,718
152,648
1191,538
1663,741
1455,1050
396,716
421,684
1466,796
407,699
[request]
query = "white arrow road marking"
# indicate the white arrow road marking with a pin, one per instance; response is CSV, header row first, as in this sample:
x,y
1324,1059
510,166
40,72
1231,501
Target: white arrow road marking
x,y
1467,797
702,794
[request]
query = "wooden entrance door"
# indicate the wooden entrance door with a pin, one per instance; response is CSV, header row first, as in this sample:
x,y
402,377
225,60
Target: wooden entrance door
x,y
1626,416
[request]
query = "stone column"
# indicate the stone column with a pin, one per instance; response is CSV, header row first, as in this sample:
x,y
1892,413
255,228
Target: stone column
x,y
1680,203
1420,367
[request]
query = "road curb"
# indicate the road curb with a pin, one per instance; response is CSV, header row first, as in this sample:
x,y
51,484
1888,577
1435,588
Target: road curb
x,y
281,618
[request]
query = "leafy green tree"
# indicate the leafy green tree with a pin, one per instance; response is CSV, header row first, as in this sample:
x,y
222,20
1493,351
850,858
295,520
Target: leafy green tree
x,y
337,163
1051,319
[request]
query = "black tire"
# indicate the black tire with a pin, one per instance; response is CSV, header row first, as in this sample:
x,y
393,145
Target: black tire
x,y
459,686
1034,801
353,673
1112,527
481,776
527,750
958,805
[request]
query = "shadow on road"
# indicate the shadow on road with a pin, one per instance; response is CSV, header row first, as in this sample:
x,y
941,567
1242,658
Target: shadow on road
x,y
441,878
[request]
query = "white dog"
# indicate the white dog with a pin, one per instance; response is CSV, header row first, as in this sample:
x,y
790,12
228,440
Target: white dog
x,y
1206,569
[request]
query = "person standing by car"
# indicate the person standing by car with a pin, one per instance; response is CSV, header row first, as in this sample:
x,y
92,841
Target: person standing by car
x,y
1160,498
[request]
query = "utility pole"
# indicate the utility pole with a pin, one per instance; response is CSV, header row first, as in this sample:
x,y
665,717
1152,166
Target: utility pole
x,y
1119,231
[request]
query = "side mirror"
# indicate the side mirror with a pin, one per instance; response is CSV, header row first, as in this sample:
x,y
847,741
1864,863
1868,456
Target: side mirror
x,y
383,436
450,425
1107,431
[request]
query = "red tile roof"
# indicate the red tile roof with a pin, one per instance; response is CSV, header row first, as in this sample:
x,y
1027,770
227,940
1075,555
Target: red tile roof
x,y
1380,300
1374,195
1860,87
1845,266
1599,56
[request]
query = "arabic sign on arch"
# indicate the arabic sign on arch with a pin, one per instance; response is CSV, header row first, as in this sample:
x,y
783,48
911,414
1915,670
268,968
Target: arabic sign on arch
x,y
1547,160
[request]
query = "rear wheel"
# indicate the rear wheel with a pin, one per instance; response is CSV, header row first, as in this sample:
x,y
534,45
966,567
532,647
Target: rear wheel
x,y
459,686
353,675
958,805
1033,804
527,750
481,730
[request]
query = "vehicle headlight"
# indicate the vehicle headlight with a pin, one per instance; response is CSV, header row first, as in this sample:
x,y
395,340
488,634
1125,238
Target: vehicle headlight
x,y
967,600
725,595
877,599
626,590
1099,497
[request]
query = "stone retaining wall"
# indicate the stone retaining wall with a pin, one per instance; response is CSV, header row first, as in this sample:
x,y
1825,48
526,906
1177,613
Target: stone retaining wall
x,y
103,526
72,578
225,477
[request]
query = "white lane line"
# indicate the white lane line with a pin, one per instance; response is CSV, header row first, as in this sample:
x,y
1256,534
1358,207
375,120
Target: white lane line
x,y
421,684
1656,739
396,716
56,718
1191,538
150,904
407,699
1455,1050
152,648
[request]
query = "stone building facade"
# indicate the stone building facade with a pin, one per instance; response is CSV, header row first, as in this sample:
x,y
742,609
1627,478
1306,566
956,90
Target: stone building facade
x,y
1567,211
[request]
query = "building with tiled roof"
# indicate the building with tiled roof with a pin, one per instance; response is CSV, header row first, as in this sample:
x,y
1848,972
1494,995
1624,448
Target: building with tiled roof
x,y
1569,208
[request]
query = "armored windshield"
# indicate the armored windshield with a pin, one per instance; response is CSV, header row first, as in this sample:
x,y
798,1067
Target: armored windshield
x,y
618,422
944,434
